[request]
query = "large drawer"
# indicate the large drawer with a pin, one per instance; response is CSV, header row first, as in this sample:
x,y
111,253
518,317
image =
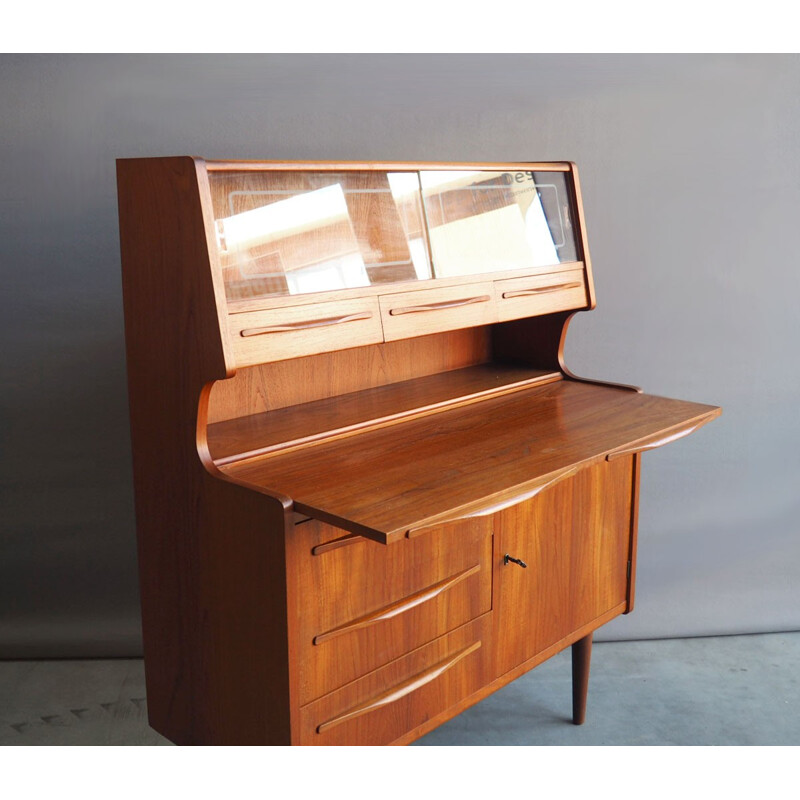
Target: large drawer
x,y
276,334
394,700
540,294
418,313
360,604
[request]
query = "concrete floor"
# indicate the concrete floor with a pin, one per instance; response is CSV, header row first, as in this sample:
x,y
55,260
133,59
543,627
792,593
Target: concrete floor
x,y
734,690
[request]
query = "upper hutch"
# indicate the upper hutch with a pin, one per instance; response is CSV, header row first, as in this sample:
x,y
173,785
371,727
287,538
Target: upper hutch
x,y
368,490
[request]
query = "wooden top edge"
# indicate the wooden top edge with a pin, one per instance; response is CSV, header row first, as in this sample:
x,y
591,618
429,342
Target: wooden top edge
x,y
396,166
132,159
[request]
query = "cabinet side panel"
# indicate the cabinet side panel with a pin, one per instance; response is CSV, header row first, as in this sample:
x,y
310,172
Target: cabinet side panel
x,y
212,570
635,477
535,341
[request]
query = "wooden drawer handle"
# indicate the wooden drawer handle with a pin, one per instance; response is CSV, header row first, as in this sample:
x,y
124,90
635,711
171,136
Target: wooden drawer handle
x,y
469,301
401,690
541,290
651,444
335,544
498,505
301,326
400,607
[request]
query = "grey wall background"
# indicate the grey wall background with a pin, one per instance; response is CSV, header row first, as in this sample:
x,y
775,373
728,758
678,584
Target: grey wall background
x,y
691,181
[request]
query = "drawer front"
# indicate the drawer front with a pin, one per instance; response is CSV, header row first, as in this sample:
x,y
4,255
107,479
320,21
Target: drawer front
x,y
360,604
279,333
390,702
432,310
540,294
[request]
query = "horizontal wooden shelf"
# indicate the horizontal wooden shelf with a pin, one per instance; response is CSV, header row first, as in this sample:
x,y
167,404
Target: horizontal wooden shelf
x,y
261,434
466,461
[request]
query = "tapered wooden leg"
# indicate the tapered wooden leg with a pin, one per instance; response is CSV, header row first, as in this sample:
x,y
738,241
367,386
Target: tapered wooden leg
x,y
581,659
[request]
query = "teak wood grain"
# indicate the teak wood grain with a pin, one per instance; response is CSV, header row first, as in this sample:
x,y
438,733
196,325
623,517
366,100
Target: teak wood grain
x,y
282,333
540,294
324,514
202,599
364,605
575,539
256,434
281,384
402,695
432,310
381,483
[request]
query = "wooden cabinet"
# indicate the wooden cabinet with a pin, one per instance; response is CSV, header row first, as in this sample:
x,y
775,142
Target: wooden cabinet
x,y
369,492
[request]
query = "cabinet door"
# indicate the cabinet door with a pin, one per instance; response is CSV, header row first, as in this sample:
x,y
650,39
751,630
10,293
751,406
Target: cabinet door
x,y
575,540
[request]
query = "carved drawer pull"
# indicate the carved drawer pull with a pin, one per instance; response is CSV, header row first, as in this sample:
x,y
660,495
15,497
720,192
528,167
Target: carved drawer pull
x,y
651,444
499,505
335,544
301,326
400,691
484,298
541,290
400,607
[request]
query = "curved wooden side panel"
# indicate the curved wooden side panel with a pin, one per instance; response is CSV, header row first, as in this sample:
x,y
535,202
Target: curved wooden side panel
x,y
539,342
205,603
400,691
400,607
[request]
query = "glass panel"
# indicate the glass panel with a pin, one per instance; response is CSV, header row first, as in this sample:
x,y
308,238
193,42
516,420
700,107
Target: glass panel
x,y
494,221
296,232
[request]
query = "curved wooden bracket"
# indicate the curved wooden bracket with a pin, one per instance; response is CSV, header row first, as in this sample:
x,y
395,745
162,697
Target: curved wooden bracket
x,y
539,342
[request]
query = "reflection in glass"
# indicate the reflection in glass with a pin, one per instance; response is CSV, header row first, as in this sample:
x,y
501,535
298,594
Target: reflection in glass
x,y
482,222
298,232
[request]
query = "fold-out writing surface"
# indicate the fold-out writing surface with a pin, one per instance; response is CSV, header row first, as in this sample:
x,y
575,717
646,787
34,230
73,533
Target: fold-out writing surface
x,y
383,483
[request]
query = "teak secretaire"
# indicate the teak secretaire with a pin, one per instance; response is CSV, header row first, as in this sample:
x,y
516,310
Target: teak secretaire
x,y
368,490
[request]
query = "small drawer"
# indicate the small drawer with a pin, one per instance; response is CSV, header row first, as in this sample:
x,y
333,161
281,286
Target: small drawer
x,y
361,604
540,294
432,310
391,702
276,334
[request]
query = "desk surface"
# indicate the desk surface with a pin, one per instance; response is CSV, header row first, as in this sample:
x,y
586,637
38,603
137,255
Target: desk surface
x,y
381,483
